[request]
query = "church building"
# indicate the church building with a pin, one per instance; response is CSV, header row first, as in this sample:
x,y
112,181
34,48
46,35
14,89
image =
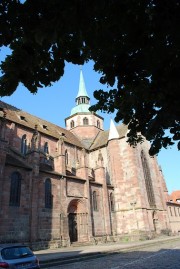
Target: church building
x,y
79,184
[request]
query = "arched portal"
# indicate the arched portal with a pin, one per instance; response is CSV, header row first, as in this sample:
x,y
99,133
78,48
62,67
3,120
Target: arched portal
x,y
78,221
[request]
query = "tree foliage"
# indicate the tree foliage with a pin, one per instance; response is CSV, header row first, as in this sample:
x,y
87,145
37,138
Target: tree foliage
x,y
134,43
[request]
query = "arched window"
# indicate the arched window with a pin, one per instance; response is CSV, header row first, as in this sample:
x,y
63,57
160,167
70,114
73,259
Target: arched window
x,y
66,157
48,193
72,124
111,199
94,201
46,148
148,180
15,189
85,121
98,123
23,144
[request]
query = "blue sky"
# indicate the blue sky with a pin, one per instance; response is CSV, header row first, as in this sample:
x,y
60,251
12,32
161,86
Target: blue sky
x,y
54,104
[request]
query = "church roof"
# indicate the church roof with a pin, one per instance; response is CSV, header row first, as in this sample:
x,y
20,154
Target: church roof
x,y
82,108
174,197
102,137
27,120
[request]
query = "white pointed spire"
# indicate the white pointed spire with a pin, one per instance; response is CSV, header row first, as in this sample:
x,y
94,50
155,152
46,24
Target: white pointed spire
x,y
113,133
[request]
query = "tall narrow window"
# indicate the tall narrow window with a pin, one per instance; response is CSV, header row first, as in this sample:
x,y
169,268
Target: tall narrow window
x,y
46,148
48,193
148,180
111,198
72,124
23,144
85,121
15,189
83,100
66,157
98,123
94,201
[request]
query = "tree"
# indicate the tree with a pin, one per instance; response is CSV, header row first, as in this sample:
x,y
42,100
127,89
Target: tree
x,y
134,44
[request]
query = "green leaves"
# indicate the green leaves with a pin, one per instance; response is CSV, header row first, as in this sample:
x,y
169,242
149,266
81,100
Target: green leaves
x,y
134,44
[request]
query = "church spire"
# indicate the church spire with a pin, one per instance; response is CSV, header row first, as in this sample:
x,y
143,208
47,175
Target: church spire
x,y
82,122
82,88
82,99
113,133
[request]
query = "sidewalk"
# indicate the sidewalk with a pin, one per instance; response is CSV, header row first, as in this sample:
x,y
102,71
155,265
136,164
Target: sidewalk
x,y
72,254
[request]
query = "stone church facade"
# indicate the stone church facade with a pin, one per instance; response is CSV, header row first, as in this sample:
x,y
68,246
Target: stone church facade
x,y
79,184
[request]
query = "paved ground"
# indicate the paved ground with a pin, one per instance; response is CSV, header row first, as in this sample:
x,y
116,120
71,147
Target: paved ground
x,y
157,256
70,254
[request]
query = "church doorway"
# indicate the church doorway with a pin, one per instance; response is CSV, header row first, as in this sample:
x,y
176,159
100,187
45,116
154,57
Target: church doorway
x,y
73,227
77,221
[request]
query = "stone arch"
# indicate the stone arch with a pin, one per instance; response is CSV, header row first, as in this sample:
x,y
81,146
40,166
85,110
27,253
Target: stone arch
x,y
77,221
76,206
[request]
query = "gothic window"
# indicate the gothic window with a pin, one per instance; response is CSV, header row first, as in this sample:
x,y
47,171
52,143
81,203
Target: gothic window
x,y
23,144
66,157
94,201
46,148
148,180
15,189
98,123
72,124
111,199
85,121
48,193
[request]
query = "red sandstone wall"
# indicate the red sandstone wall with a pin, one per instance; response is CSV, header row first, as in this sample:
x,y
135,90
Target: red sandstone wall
x,y
15,221
123,169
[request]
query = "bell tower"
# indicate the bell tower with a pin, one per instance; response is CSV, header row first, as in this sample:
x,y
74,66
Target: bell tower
x,y
82,122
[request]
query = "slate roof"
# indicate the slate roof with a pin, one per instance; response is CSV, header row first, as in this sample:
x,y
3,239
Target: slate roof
x,y
27,120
